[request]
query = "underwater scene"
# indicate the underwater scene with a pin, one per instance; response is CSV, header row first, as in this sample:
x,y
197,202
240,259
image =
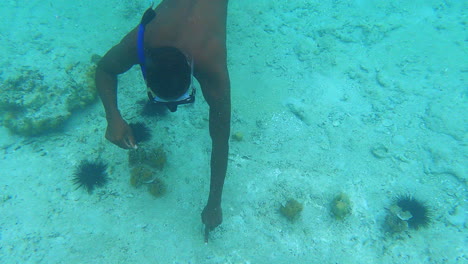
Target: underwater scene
x,y
348,137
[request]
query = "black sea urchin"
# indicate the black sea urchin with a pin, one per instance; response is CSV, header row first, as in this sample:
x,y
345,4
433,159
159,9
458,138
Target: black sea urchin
x,y
140,131
420,212
90,175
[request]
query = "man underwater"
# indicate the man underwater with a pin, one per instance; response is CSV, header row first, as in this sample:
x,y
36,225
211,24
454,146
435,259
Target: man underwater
x,y
178,40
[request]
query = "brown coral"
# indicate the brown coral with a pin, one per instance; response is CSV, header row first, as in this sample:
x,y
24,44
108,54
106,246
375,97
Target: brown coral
x,y
157,188
140,175
153,157
291,210
341,206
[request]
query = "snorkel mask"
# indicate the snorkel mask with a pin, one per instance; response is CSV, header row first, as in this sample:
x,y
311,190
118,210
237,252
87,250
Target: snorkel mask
x,y
189,95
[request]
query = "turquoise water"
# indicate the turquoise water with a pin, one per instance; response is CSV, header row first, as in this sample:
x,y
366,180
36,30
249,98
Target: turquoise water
x,y
366,98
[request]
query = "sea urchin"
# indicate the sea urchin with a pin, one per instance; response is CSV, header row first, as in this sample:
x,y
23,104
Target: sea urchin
x,y
140,131
420,213
90,175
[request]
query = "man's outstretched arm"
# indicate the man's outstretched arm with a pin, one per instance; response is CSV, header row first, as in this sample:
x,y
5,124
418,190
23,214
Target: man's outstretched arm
x,y
220,116
116,61
217,93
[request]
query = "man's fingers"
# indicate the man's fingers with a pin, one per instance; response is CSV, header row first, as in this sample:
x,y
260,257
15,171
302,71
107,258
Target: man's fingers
x,y
122,144
207,233
130,140
130,144
127,143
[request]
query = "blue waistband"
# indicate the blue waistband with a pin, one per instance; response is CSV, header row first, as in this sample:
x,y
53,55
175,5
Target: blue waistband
x,y
147,17
141,50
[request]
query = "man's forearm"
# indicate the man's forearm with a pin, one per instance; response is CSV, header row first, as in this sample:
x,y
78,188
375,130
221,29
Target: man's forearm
x,y
219,130
106,85
219,157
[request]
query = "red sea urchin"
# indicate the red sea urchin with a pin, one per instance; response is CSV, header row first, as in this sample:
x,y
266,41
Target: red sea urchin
x,y
420,213
90,174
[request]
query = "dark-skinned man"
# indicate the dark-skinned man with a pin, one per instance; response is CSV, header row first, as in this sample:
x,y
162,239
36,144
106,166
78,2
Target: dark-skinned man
x,y
177,41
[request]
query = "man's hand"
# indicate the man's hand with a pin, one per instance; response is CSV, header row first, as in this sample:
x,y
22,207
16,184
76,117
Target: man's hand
x,y
120,133
211,217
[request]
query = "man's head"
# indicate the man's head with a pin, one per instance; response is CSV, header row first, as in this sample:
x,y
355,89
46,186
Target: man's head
x,y
168,72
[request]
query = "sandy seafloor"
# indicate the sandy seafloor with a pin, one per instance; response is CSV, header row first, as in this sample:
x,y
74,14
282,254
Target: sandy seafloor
x,y
316,86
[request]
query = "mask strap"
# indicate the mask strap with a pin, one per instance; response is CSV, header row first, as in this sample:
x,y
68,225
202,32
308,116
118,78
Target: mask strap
x,y
191,72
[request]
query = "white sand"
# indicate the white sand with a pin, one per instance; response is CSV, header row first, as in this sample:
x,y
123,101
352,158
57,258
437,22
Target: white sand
x,y
315,87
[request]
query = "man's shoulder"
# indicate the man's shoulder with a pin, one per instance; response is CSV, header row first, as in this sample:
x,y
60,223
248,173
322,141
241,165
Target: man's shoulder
x,y
122,56
211,54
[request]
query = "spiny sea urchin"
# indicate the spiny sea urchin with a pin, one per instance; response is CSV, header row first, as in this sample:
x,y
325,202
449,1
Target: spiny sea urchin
x,y
90,174
420,213
140,131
